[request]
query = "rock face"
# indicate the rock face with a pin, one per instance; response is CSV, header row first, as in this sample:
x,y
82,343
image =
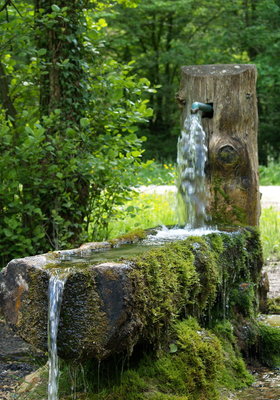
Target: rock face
x,y
108,307
94,312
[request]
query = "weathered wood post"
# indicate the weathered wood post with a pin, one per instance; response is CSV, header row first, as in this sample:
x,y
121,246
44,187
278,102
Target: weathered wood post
x,y
232,170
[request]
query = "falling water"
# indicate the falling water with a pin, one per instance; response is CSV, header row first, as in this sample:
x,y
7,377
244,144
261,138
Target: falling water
x,y
191,160
56,286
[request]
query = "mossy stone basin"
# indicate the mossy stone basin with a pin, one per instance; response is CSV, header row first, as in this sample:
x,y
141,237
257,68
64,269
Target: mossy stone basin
x,y
112,304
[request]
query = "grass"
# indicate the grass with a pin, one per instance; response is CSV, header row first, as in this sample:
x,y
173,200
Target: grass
x,y
155,173
270,233
270,174
144,211
151,210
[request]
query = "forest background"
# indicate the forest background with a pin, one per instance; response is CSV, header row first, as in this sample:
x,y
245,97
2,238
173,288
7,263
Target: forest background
x,y
87,95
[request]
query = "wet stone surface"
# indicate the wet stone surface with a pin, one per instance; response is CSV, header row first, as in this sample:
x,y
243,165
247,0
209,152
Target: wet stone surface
x,y
17,359
265,387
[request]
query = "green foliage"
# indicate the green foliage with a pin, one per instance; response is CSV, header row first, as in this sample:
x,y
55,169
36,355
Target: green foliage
x,y
268,346
233,374
69,149
270,174
163,35
270,233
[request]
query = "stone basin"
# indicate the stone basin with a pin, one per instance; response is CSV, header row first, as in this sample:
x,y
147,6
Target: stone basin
x,y
131,294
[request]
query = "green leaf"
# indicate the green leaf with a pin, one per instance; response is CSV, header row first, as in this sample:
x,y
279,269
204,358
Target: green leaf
x,y
136,153
173,348
41,52
84,122
55,8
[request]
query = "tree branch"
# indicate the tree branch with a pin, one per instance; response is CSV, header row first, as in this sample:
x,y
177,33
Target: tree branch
x,y
9,3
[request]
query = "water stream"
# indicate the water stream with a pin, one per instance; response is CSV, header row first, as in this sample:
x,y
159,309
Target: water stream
x,y
56,286
191,160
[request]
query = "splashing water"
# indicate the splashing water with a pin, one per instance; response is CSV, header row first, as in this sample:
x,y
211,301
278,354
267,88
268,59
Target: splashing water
x,y
191,160
56,286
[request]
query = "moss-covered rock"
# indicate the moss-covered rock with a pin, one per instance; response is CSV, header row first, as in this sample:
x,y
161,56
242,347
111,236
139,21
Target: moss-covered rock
x,y
273,305
268,345
195,365
109,307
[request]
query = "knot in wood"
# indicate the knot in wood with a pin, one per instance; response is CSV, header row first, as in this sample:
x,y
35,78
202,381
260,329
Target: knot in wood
x,y
227,155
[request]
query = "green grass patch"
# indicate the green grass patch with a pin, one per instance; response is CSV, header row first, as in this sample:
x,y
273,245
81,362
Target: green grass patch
x,y
155,173
270,233
270,174
144,211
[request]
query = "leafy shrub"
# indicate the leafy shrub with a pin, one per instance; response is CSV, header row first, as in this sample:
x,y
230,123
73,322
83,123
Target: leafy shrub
x,y
62,179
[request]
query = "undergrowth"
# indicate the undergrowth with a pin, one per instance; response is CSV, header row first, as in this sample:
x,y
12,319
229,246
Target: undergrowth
x,y
195,366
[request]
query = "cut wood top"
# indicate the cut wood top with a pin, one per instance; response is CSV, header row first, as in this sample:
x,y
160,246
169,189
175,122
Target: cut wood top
x,y
217,69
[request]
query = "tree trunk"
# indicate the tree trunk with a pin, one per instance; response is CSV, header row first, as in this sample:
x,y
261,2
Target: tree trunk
x,y
4,96
232,171
63,87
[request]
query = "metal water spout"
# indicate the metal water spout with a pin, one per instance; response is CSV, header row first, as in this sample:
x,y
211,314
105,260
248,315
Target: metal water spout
x,y
206,108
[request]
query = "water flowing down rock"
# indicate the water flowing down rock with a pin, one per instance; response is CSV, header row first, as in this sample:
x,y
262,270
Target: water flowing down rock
x,y
109,307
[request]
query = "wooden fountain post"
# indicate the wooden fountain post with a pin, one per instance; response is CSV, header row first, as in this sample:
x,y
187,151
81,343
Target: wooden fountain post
x,y
232,170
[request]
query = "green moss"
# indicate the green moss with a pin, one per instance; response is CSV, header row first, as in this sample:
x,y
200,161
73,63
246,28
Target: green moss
x,y
189,373
233,374
273,305
197,365
223,210
243,299
268,346
131,237
180,278
211,278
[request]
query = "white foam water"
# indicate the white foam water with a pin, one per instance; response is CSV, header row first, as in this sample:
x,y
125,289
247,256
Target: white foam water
x,y
191,160
164,235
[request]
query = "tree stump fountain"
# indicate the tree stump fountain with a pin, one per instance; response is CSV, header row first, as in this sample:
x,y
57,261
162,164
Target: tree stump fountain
x,y
232,169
